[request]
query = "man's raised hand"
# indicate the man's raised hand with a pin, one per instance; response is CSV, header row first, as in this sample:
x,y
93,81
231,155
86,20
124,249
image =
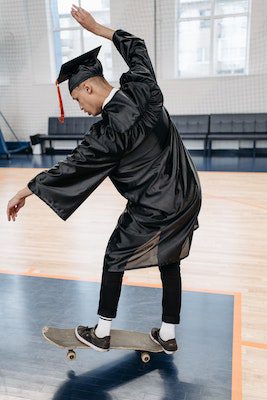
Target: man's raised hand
x,y
84,18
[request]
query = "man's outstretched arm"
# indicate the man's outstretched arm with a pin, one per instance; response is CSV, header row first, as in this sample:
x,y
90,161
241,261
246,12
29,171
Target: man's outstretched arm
x,y
132,48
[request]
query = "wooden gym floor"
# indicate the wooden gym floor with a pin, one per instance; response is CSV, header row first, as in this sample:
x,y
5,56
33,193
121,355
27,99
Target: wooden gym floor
x,y
228,257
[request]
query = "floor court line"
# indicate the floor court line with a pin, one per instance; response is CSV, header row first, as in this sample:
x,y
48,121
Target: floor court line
x,y
254,344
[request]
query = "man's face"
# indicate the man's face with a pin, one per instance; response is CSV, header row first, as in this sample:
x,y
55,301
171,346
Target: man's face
x,y
87,98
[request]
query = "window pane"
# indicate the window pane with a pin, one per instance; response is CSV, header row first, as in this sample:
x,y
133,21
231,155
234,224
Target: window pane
x,y
64,6
230,45
95,5
192,8
230,6
61,14
67,21
91,41
70,44
194,44
102,16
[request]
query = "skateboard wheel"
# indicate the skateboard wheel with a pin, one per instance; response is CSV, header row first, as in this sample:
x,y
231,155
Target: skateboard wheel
x,y
71,355
145,357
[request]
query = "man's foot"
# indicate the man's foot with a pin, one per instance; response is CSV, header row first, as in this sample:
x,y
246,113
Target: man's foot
x,y
87,336
169,346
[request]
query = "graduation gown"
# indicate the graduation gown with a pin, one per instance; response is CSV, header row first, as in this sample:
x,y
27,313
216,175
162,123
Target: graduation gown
x,y
137,145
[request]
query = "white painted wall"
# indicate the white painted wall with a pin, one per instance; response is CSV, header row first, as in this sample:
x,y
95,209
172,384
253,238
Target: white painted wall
x,y
28,96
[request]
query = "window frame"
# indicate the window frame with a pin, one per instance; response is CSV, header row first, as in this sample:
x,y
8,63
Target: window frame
x,y
212,63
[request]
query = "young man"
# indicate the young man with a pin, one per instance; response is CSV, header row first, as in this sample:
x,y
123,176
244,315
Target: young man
x,y
138,147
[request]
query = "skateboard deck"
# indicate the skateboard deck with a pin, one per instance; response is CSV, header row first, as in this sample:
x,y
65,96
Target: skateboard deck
x,y
120,339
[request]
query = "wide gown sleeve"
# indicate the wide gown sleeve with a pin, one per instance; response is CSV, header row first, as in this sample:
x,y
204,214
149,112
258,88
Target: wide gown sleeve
x,y
67,184
134,52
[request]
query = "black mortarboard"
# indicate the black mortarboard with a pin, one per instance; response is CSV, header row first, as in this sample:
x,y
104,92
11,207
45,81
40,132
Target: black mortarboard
x,y
77,71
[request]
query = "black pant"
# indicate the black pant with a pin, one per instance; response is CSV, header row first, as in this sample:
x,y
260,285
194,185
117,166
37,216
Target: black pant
x,y
171,293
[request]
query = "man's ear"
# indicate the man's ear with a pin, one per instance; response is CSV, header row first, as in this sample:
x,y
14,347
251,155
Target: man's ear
x,y
87,86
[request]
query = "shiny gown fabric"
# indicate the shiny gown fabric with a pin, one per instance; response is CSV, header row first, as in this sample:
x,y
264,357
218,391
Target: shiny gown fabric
x,y
137,145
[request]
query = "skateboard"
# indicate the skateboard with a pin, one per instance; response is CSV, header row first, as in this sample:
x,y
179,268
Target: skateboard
x,y
120,339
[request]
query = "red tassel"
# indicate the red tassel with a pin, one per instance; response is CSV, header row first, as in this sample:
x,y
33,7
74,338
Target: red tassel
x,y
61,118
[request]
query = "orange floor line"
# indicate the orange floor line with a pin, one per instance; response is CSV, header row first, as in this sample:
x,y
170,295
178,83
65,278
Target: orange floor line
x,y
236,351
254,344
125,281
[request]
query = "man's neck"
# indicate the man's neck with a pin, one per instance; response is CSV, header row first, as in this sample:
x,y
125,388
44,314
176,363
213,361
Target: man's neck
x,y
109,96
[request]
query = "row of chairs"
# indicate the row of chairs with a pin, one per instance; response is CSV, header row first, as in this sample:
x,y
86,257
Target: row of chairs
x,y
222,127
193,127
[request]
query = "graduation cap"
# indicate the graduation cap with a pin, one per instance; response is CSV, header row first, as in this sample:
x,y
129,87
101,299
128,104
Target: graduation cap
x,y
77,71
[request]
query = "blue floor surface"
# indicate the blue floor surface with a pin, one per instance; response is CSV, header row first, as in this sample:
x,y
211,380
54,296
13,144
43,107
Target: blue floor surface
x,y
33,369
219,161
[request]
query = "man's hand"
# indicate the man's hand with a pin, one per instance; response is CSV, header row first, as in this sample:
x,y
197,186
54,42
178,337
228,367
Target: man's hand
x,y
16,203
86,20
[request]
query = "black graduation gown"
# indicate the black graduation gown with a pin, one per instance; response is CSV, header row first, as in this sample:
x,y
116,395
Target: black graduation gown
x,y
137,145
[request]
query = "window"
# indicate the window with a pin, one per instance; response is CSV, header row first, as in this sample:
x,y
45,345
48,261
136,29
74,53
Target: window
x,y
211,37
72,40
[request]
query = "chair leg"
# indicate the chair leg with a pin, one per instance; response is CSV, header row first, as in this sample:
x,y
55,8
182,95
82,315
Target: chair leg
x,y
209,148
205,148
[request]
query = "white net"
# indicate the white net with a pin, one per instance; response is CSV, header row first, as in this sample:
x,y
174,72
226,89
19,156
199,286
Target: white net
x,y
210,56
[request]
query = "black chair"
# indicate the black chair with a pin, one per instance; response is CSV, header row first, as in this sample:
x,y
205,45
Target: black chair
x,y
73,128
192,127
237,127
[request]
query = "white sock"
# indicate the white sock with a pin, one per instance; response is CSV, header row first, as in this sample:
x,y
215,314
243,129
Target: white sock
x,y
103,327
167,331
